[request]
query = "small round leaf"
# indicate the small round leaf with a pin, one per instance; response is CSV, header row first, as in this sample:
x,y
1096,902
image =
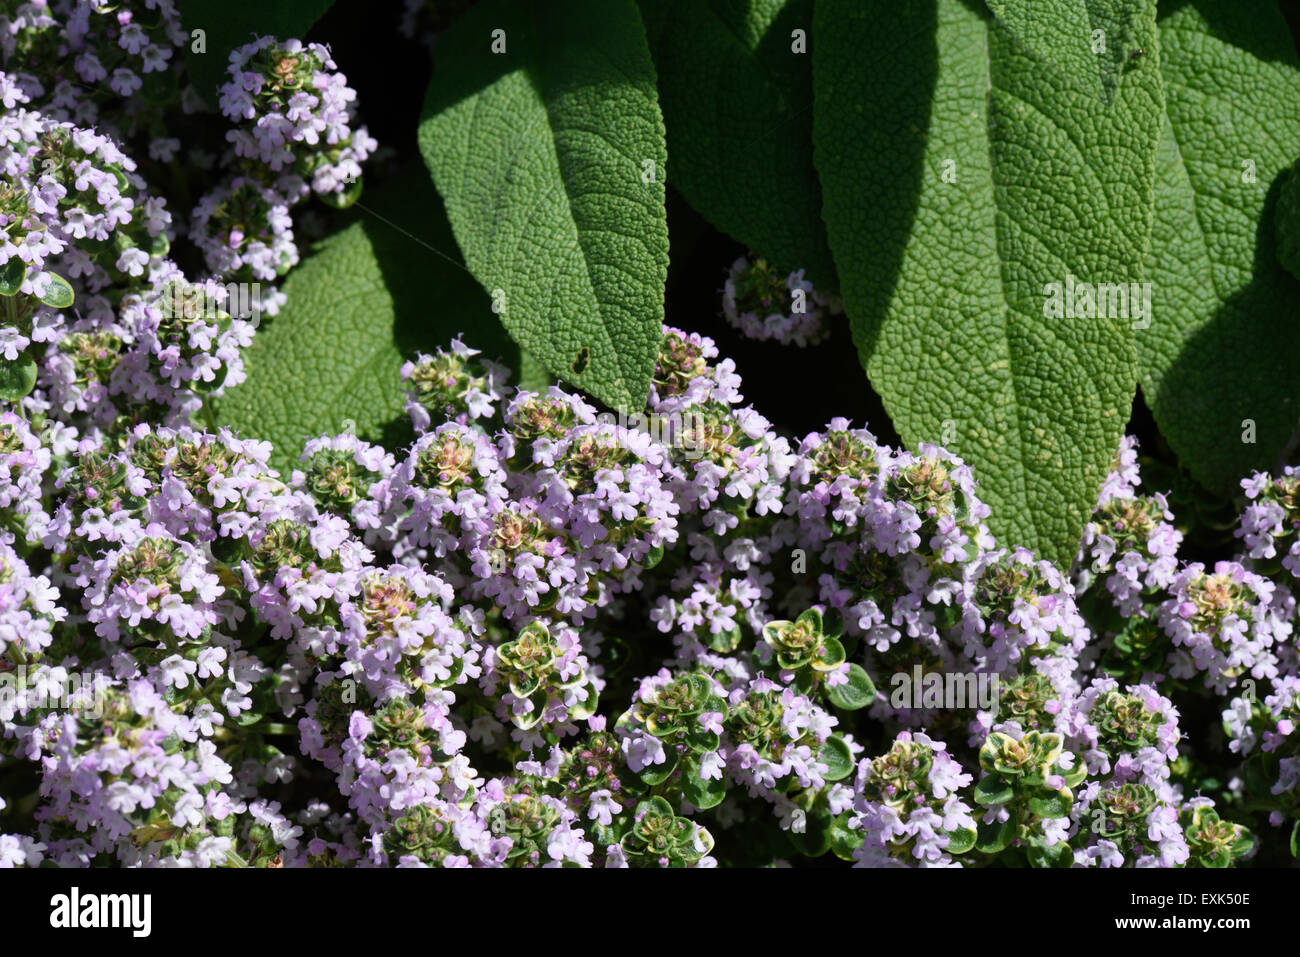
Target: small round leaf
x,y
58,295
835,754
12,274
17,377
857,693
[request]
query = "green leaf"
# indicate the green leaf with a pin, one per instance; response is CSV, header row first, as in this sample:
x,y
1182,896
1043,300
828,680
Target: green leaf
x,y
694,842
17,377
1041,855
830,656
992,790
725,641
58,294
995,837
735,84
12,274
1089,41
700,739
1054,804
370,297
832,624
203,387
815,840
858,693
1218,364
773,630
1260,772
551,159
659,773
946,283
1295,840
227,24
835,754
654,805
533,375
1075,776
844,839
961,840
811,617
522,685
704,793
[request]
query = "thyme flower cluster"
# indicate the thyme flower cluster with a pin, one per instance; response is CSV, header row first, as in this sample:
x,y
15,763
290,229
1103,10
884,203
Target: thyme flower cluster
x,y
440,641
538,634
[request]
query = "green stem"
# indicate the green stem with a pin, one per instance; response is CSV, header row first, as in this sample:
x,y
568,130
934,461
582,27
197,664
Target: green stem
x,y
275,727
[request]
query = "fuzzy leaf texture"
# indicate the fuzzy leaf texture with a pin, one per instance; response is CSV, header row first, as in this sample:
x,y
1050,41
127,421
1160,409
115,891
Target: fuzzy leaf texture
x,y
227,24
370,297
945,282
551,159
1224,349
737,101
1089,41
